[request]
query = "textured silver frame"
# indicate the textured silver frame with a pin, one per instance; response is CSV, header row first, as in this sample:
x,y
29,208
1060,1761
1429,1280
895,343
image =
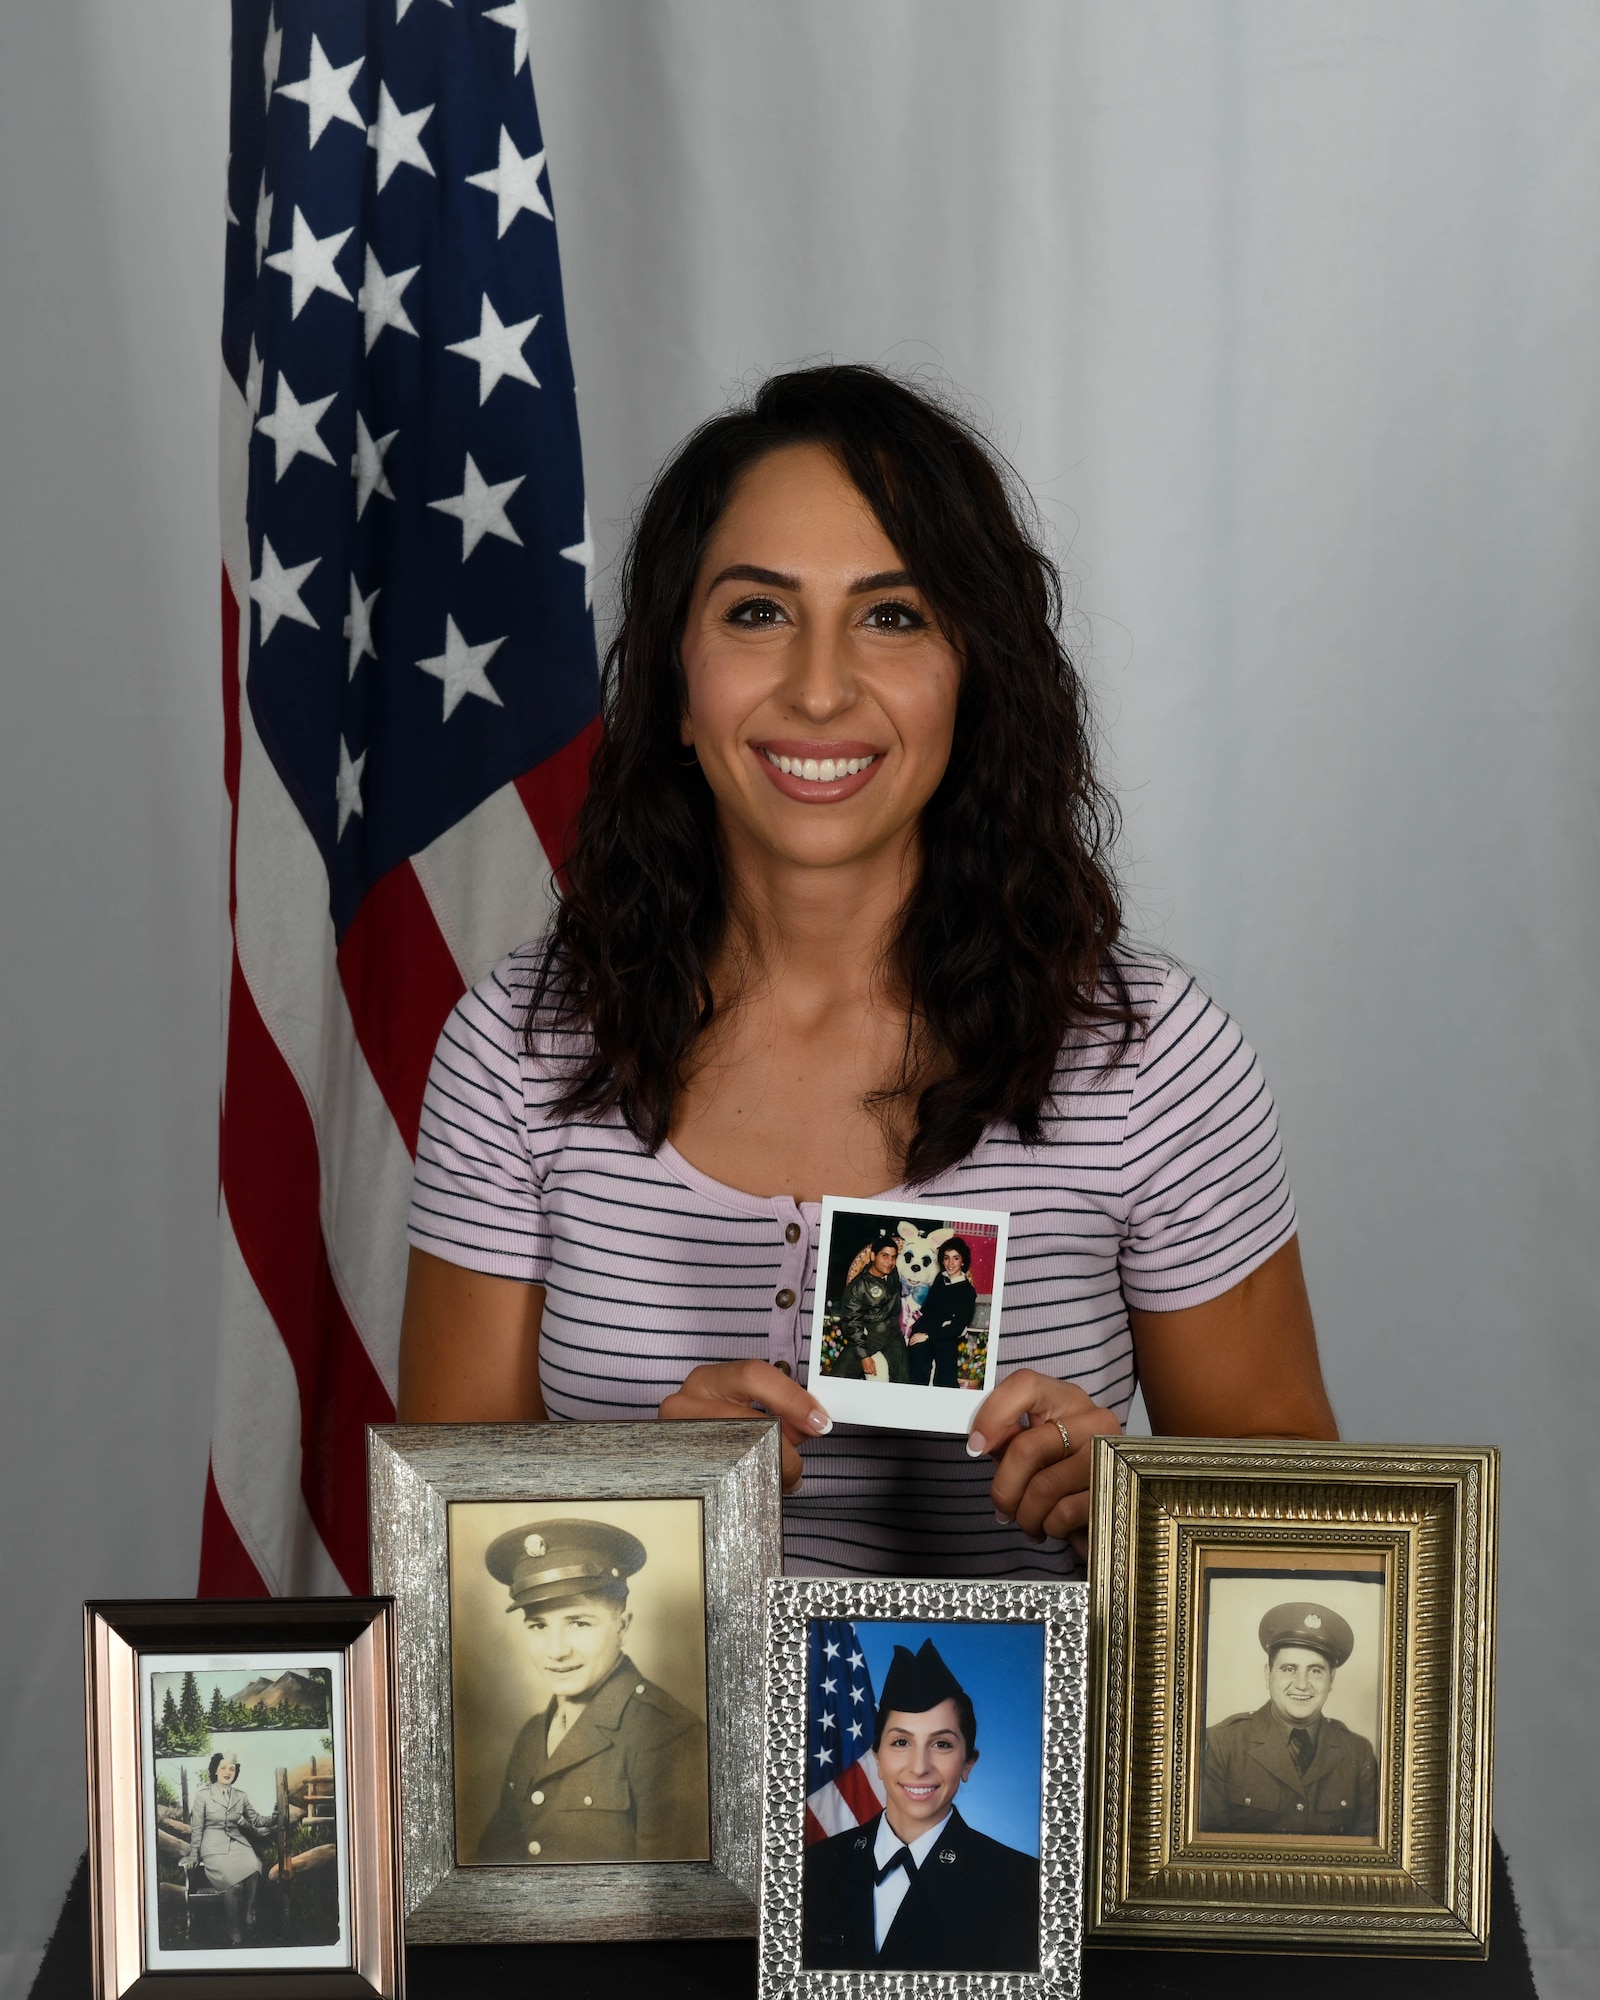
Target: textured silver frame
x,y
1157,1504
1063,1610
734,1469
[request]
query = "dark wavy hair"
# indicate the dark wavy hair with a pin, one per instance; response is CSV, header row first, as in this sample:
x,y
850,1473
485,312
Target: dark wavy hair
x,y
962,1249
1001,953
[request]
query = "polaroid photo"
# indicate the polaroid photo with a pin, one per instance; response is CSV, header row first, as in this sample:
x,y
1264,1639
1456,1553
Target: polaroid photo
x,y
905,1331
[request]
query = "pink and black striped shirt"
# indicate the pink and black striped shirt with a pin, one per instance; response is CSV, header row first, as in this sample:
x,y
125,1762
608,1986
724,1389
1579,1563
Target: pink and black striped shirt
x,y
1157,1182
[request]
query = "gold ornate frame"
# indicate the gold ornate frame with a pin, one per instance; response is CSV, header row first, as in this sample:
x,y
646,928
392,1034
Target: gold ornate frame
x,y
1160,1508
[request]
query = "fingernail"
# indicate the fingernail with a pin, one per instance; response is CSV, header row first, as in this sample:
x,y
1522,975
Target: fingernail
x,y
977,1444
820,1422
1003,1519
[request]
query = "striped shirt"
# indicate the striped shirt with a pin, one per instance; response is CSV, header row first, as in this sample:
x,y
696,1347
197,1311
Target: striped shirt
x,y
1157,1182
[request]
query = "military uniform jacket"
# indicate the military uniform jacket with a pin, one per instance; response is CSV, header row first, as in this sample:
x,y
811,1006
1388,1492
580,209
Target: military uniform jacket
x,y
869,1313
1251,1785
973,1906
628,1782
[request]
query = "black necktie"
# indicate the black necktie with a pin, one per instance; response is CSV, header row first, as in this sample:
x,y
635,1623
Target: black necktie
x,y
901,1858
1300,1748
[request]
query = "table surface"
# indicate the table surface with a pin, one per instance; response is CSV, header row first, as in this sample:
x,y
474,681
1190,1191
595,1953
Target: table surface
x,y
728,1971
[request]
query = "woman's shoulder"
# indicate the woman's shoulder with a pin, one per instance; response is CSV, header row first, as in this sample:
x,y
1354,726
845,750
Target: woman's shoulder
x,y
514,1011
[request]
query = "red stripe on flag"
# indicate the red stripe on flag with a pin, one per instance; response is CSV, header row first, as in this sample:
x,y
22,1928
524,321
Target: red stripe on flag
x,y
225,1568
815,1830
553,791
272,1180
401,982
855,1788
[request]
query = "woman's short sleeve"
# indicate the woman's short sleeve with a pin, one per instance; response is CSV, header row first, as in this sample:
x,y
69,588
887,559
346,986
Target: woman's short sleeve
x,y
1203,1174
476,1198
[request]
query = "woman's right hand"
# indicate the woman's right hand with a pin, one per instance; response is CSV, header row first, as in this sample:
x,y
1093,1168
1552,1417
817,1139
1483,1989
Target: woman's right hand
x,y
751,1388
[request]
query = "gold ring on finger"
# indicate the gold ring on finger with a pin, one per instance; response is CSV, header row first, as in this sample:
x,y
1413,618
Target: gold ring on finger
x,y
1066,1442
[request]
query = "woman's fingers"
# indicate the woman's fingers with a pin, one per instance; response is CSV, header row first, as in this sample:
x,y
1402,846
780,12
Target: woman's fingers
x,y
1041,1476
744,1388
1029,1394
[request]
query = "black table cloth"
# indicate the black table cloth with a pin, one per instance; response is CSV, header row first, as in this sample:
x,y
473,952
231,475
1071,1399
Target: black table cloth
x,y
728,1971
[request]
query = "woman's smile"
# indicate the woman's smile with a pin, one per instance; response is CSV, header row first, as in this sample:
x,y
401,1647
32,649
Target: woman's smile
x,y
818,772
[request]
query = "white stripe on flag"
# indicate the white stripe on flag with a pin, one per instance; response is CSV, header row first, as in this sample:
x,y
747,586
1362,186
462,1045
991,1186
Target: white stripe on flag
x,y
487,881
255,1440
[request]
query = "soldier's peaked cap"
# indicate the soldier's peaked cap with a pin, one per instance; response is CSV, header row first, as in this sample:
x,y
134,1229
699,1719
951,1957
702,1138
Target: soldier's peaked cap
x,y
1312,1625
918,1681
543,1562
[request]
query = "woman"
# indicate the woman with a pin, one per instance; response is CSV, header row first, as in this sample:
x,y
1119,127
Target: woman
x,y
218,1814
915,1889
837,920
935,1337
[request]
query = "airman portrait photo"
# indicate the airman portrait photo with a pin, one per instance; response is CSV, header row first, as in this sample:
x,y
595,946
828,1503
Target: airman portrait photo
x,y
1289,1765
916,1887
569,1749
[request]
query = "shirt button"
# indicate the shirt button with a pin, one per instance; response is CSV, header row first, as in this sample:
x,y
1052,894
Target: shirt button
x,y
792,1233
640,1688
537,1798
786,1298
587,1800
783,1368
1299,1808
533,1847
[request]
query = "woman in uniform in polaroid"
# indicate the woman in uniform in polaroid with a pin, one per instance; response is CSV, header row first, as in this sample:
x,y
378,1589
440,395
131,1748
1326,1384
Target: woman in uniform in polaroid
x,y
935,1338
915,1889
219,1812
837,918
613,1768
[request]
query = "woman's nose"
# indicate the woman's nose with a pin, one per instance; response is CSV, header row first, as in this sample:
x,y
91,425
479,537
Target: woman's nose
x,y
821,674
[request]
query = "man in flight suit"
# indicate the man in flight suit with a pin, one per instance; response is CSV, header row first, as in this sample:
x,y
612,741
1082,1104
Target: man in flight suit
x,y
1287,1767
614,1769
869,1316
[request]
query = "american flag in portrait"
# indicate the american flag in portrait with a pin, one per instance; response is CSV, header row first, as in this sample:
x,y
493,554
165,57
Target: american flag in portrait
x,y
409,684
843,1788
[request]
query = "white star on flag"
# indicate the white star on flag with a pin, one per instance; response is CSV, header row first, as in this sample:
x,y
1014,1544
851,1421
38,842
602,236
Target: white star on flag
x,y
824,1755
511,16
497,350
263,220
349,787
514,183
367,465
461,668
308,264
831,1649
396,137
830,1687
358,629
292,428
856,1660
856,1694
277,591
271,54
583,552
480,508
380,302
252,381
856,1729
325,92
827,1721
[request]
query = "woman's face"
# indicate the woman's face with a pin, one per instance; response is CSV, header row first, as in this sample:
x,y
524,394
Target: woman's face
x,y
821,692
227,1771
953,1266
923,1761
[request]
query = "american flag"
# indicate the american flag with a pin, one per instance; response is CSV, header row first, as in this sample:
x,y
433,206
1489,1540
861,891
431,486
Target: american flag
x,y
409,691
843,1788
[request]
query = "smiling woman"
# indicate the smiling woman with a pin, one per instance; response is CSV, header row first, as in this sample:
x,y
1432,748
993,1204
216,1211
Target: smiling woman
x,y
838,920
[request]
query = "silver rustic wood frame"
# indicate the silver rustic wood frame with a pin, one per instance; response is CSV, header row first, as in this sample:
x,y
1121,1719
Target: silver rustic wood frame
x,y
1158,1506
414,1473
1063,1610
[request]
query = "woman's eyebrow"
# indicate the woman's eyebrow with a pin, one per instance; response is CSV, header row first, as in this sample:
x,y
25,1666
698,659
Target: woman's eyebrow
x,y
885,579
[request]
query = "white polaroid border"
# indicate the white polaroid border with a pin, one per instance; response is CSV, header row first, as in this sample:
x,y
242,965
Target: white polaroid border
x,y
243,1958
904,1406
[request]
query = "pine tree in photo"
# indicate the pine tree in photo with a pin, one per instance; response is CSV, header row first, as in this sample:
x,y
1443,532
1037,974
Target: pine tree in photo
x,y
191,1716
214,1714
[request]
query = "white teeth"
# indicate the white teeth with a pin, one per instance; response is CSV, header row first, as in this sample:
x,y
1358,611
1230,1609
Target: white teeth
x,y
824,770
809,770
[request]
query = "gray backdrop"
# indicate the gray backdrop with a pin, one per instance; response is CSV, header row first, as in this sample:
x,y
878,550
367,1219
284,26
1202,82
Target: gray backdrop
x,y
1288,313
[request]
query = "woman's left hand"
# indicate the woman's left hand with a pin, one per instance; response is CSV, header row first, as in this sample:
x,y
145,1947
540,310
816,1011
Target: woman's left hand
x,y
1041,1477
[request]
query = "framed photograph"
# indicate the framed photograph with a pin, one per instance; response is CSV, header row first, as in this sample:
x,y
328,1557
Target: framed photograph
x,y
243,1788
905,1331
1293,1701
925,1800
579,1613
